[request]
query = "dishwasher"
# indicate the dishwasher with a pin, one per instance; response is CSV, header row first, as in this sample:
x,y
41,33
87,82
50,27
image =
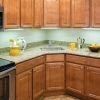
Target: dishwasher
x,y
7,79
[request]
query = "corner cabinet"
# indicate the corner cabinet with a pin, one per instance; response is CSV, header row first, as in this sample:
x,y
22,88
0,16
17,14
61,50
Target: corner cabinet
x,y
24,86
27,13
55,72
80,13
51,13
38,81
95,13
11,13
55,76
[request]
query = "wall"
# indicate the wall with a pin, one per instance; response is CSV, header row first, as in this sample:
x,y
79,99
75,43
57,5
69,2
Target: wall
x,y
71,35
30,35
34,35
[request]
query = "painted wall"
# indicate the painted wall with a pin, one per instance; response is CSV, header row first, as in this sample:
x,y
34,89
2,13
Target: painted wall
x,y
30,35
71,35
34,35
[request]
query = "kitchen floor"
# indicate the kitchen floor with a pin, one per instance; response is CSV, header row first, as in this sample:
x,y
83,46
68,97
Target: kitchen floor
x,y
61,97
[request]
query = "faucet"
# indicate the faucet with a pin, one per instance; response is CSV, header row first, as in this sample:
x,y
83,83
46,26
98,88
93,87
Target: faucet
x,y
50,43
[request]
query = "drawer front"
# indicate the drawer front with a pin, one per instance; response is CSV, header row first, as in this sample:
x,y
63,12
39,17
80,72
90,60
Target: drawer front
x,y
24,66
76,59
54,57
38,60
93,62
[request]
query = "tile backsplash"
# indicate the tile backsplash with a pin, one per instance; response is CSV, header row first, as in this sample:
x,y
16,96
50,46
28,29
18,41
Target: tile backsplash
x,y
35,35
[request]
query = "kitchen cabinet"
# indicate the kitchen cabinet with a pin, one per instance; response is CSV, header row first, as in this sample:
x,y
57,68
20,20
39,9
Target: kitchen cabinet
x,y
24,86
38,13
55,76
1,3
11,13
26,13
95,13
93,82
1,88
80,13
51,13
75,77
65,13
38,81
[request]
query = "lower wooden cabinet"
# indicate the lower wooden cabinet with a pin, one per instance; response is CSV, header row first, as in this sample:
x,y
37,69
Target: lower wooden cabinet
x,y
24,86
55,76
38,81
75,77
93,82
1,88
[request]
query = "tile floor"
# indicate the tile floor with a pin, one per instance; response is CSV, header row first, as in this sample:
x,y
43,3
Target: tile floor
x,y
60,97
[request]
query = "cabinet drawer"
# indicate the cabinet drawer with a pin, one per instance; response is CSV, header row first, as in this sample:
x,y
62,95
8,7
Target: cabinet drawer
x,y
29,64
24,66
54,57
38,60
93,62
76,59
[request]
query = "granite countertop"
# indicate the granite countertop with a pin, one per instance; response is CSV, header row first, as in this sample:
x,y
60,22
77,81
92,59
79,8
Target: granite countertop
x,y
36,51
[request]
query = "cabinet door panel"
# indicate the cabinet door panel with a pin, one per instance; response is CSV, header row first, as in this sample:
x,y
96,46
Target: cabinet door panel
x,y
11,13
95,8
38,80
24,86
65,13
80,13
75,77
93,82
38,13
1,3
26,13
55,76
1,88
51,13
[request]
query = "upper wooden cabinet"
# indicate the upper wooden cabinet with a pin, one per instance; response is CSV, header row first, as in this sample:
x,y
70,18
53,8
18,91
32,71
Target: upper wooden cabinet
x,y
51,13
65,11
80,13
95,13
38,13
26,13
11,13
1,3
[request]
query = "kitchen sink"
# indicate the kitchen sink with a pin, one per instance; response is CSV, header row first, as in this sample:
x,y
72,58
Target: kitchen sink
x,y
51,48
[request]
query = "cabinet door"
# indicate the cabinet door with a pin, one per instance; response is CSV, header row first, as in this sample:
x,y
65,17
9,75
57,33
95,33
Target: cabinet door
x,y
1,2
1,88
80,13
24,86
65,13
26,13
11,13
38,80
75,77
55,78
38,13
51,13
93,82
95,8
